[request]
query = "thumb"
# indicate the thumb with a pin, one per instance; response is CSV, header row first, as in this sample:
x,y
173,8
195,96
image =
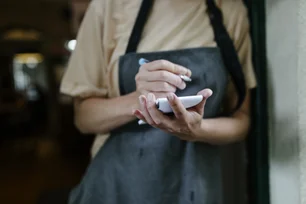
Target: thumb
x,y
206,93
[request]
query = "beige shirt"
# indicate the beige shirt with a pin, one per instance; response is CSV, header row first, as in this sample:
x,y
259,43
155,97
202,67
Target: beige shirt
x,y
172,24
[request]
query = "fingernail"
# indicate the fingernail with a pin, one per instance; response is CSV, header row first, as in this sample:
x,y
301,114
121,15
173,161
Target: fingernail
x,y
189,73
134,112
150,96
170,97
141,100
208,93
183,85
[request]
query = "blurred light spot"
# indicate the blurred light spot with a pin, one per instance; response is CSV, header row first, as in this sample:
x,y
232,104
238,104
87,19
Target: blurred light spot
x,y
32,62
71,45
22,34
25,58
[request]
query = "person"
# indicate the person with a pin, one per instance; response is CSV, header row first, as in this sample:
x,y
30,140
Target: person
x,y
173,158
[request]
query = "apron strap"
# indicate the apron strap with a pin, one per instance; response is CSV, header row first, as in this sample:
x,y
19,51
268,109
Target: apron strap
x,y
140,22
228,51
224,42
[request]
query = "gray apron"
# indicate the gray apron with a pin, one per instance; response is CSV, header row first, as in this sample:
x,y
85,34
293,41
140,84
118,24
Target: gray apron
x,y
144,165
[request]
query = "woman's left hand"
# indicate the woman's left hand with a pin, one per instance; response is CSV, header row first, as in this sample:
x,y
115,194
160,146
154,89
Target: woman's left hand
x,y
183,124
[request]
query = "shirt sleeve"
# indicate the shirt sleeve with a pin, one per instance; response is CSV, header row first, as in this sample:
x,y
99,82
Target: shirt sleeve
x,y
86,72
237,22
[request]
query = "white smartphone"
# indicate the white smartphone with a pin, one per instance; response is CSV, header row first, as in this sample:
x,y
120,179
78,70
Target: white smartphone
x,y
163,105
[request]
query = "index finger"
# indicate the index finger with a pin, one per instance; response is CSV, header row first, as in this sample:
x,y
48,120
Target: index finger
x,y
177,107
168,66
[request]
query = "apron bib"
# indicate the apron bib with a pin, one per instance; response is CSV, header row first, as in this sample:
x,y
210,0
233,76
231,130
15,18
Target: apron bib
x,y
144,165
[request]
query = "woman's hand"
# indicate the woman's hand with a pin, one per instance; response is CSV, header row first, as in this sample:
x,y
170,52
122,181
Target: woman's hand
x,y
183,124
160,77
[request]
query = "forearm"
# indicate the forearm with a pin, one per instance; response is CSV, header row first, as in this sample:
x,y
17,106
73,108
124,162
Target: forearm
x,y
224,130
98,115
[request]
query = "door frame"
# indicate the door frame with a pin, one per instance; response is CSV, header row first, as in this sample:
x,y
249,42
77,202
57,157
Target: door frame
x,y
257,144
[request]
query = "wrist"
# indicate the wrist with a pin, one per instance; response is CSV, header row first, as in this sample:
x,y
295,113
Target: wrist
x,y
133,102
200,131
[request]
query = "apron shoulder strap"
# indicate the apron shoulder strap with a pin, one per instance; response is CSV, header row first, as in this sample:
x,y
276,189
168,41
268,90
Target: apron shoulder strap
x,y
228,51
140,22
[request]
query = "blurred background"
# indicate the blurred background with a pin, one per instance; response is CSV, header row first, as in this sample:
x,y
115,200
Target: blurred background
x,y
41,152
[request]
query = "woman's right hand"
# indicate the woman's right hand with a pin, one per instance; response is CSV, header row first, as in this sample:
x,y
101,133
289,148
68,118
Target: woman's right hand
x,y
160,77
